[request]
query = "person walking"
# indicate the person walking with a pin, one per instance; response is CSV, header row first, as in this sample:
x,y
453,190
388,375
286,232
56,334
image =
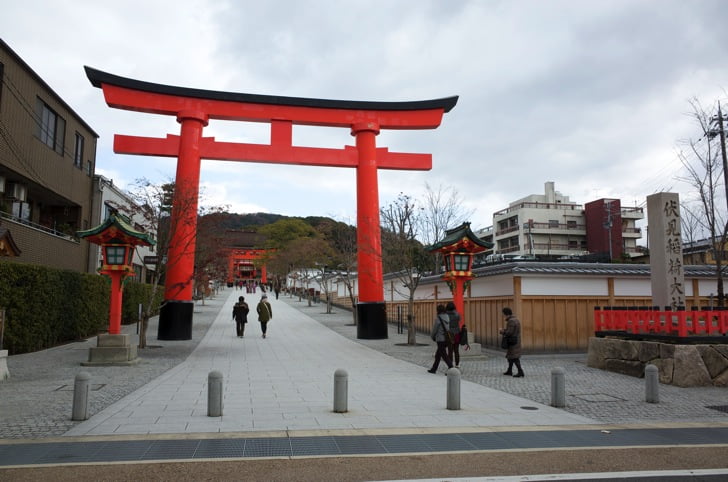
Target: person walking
x,y
439,334
277,286
512,341
453,349
240,315
265,313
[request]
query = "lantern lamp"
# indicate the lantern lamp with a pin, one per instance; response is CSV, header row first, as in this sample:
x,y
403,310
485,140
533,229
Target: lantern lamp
x,y
458,248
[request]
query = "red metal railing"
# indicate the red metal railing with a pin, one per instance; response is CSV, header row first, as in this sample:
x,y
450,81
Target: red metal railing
x,y
646,320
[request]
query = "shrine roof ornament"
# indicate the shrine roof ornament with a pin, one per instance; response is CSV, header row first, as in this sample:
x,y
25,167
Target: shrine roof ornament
x,y
459,238
116,230
7,244
99,78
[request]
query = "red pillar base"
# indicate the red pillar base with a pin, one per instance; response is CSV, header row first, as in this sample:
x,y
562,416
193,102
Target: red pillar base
x,y
371,321
175,320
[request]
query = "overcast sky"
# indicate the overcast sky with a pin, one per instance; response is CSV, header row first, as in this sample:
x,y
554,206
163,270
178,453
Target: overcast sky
x,y
592,95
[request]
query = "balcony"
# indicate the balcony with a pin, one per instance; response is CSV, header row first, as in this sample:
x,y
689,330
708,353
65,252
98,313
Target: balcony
x,y
537,205
631,232
509,229
58,233
632,213
555,228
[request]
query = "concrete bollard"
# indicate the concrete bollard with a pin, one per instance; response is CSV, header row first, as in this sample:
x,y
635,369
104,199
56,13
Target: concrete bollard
x,y
341,391
214,394
453,389
652,384
558,387
80,396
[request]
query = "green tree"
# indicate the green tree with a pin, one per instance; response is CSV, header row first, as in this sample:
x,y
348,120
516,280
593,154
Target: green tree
x,y
282,232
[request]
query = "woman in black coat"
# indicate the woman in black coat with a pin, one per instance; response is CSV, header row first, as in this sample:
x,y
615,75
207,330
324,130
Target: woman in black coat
x,y
512,333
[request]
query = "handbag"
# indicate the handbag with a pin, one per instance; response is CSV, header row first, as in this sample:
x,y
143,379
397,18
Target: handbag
x,y
464,336
508,341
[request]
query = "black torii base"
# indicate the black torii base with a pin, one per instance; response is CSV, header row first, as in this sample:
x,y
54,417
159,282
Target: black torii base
x,y
371,321
175,320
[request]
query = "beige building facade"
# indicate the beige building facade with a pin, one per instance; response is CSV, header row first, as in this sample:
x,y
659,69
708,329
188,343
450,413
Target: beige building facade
x,y
47,162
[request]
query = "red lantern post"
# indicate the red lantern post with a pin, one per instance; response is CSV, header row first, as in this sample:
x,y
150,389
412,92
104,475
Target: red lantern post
x,y
118,241
457,249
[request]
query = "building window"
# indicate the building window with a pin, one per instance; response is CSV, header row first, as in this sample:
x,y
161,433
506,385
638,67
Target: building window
x,y
553,223
78,152
52,127
89,168
571,224
2,68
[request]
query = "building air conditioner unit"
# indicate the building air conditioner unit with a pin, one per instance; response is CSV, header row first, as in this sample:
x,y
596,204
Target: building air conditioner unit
x,y
15,191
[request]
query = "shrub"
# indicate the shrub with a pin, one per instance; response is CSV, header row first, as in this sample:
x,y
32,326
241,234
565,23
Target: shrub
x,y
45,307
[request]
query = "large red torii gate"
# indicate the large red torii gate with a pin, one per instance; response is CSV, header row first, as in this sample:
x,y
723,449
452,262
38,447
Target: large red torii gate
x,y
193,108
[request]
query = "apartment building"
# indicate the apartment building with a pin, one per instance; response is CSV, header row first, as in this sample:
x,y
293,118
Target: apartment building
x,y
47,161
551,226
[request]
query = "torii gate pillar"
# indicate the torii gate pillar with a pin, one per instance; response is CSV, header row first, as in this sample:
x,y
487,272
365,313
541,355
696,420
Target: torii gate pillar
x,y
194,107
371,310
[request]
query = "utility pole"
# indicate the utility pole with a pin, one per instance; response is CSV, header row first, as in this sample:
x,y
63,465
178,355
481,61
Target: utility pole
x,y
721,131
718,251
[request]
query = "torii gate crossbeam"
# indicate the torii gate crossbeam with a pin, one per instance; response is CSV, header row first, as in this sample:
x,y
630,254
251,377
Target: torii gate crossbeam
x,y
193,108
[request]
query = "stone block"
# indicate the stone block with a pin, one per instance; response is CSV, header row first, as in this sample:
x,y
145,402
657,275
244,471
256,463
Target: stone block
x,y
626,367
624,350
596,352
112,350
113,340
721,380
665,368
714,361
689,369
476,349
667,350
648,351
722,349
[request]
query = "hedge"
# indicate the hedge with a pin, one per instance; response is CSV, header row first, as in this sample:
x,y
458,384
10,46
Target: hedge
x,y
45,307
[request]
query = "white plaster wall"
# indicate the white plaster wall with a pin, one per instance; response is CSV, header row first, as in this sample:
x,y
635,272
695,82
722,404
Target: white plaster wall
x,y
706,287
573,286
632,287
492,286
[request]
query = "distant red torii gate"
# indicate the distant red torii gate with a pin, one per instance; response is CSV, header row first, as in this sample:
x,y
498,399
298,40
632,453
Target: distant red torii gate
x,y
193,109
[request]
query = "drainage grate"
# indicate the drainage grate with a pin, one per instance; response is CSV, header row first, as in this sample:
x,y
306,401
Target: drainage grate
x,y
529,408
598,397
94,387
720,408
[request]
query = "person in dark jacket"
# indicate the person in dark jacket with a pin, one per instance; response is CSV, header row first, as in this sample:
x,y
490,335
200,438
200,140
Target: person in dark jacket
x,y
512,332
453,349
265,313
438,335
240,315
